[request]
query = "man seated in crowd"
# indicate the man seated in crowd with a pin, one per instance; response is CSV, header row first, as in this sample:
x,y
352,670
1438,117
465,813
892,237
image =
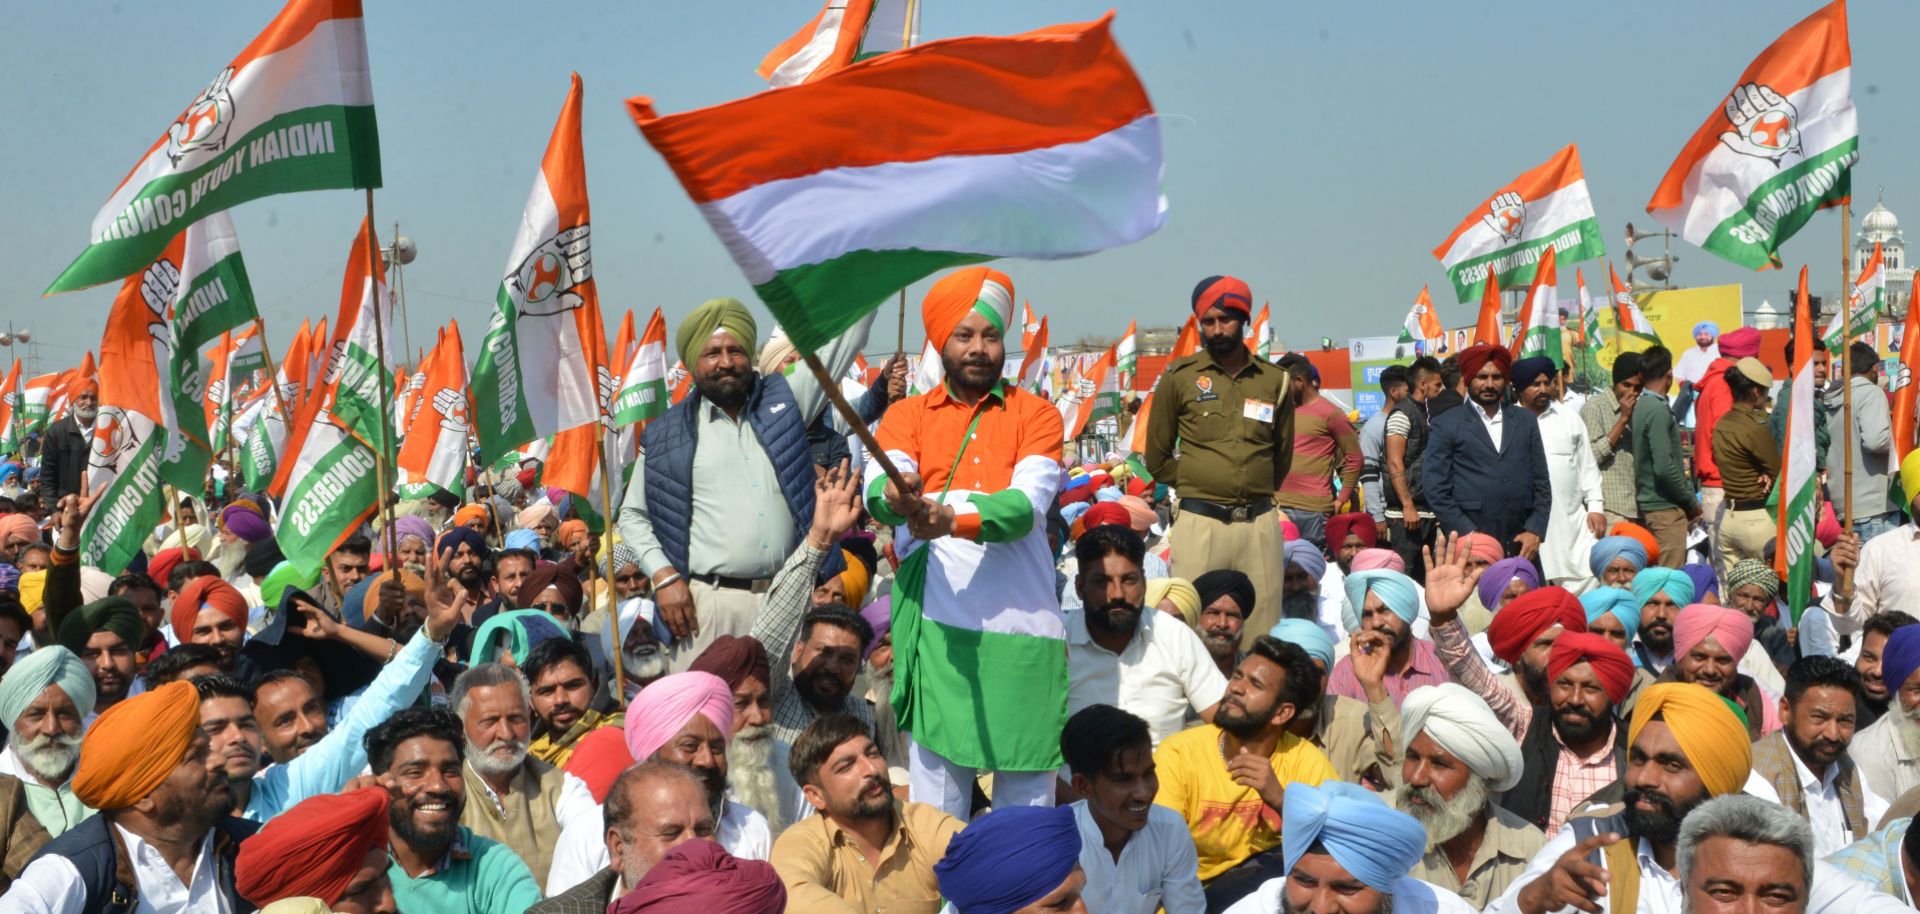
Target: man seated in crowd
x,y
1345,850
1662,593
862,850
1708,644
1301,587
104,635
1874,696
1342,727
1226,599
1137,855
1015,860
1386,603
652,808
1741,853
742,663
331,847
513,798
43,699
1459,756
1805,766
562,687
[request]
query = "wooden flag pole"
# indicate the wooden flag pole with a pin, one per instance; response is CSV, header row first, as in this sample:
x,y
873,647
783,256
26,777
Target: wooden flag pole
x,y
859,427
375,274
613,595
1845,584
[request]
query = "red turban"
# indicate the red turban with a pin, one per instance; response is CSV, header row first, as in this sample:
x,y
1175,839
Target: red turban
x,y
206,592
161,565
1074,496
1741,343
1524,617
1483,548
313,849
1106,512
1609,662
1359,524
700,877
598,758
1640,533
1224,292
980,290
1474,358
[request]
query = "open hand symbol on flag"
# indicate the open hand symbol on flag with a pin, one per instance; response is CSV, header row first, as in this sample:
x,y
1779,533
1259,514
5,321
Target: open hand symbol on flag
x,y
546,279
1508,214
1765,125
452,409
158,285
205,123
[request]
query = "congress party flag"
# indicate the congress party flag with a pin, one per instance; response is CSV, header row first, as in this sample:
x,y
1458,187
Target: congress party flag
x,y
267,440
537,374
642,394
224,382
1486,329
1260,340
293,112
36,397
1904,388
1126,352
1504,236
1778,148
1539,331
1185,344
1421,323
1589,316
1798,499
1627,316
1093,396
1033,358
434,451
10,400
843,32
1029,325
833,195
1866,301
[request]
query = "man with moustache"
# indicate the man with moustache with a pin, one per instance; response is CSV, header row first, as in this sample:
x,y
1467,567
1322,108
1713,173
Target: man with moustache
x,y
104,634
1232,416
43,699
515,799
1458,756
1485,466
1383,605
1136,854
1874,696
1888,753
1226,597
560,679
743,664
1661,592
1345,850
1118,654
439,866
66,444
727,477
652,808
1804,765
1300,596
463,555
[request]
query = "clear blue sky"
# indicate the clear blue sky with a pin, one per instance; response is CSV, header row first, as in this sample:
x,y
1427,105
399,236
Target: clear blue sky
x,y
1318,151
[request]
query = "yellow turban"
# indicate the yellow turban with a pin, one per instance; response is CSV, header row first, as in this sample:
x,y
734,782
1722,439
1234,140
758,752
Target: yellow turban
x,y
1180,591
855,580
135,745
1910,477
33,589
1707,728
719,314
773,358
982,290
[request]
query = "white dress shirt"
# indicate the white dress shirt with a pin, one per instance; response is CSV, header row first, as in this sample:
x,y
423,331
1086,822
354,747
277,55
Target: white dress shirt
x,y
51,884
1158,868
1494,423
1884,580
582,849
1824,812
1164,671
1410,896
1575,480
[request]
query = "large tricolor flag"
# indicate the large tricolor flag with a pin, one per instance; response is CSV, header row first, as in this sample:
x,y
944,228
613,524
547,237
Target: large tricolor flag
x,y
1503,237
834,194
434,451
1421,323
1539,330
1627,316
1797,491
1866,301
293,112
1776,149
538,372
844,31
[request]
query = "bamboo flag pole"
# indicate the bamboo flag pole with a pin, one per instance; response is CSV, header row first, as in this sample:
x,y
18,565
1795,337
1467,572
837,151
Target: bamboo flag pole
x,y
854,421
613,596
374,274
1845,585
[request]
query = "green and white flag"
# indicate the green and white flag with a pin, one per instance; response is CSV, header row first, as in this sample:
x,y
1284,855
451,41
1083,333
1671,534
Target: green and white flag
x,y
1866,301
1506,236
1797,496
643,392
1540,332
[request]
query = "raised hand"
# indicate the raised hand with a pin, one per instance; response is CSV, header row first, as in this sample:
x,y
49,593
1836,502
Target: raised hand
x,y
1449,580
836,505
1507,214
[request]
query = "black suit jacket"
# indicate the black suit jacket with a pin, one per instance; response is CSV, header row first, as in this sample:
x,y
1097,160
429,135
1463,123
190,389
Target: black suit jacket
x,y
589,897
1472,487
63,459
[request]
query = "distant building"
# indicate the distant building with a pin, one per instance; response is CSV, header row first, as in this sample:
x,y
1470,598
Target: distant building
x,y
1880,226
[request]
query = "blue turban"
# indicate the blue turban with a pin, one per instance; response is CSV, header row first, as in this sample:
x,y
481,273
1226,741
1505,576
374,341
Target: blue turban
x,y
516,630
9,470
451,540
1308,557
1526,371
1613,547
1107,493
1703,578
1073,511
1010,858
1622,603
1709,326
1374,842
1898,659
522,539
1494,581
1393,588
1674,582
1308,636
50,665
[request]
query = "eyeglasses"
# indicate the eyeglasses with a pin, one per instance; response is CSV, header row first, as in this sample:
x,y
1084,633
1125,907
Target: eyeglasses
x,y
556,610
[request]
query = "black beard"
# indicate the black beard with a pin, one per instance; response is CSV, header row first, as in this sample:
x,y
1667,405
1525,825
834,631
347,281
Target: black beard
x,y
1534,679
471,578
725,389
400,821
822,691
1229,718
1577,732
1218,346
1301,605
1661,644
975,376
1115,618
1663,826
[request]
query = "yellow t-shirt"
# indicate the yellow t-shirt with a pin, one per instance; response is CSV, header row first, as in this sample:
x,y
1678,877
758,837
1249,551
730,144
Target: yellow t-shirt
x,y
1229,822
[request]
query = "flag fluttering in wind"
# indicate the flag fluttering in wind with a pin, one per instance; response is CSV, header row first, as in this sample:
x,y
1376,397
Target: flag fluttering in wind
x,y
1778,148
1029,325
293,112
1539,330
1421,323
1034,359
1866,301
36,402
1589,315
223,380
1797,492
643,389
832,195
539,372
267,440
1486,329
1627,316
1185,344
434,451
1260,340
844,32
1503,237
1093,396
1905,389
10,401
1126,353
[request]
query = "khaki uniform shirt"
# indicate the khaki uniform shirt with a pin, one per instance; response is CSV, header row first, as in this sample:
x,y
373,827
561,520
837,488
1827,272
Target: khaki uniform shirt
x,y
825,873
1234,432
1744,449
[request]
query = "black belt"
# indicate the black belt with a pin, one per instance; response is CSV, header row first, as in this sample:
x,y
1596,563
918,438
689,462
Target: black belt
x,y
1752,504
754,585
1232,514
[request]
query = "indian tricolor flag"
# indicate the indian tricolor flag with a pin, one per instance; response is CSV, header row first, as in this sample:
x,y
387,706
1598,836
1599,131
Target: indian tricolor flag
x,y
1904,396
1260,340
835,194
1776,149
1504,236
1539,331
1589,316
1126,353
293,112
1627,316
434,452
1033,359
1866,301
10,436
845,31
538,373
1095,396
1421,323
643,389
1797,492
1186,344
1029,325
267,438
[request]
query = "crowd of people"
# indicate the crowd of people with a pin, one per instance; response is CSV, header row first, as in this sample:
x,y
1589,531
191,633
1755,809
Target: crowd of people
x,y
1503,647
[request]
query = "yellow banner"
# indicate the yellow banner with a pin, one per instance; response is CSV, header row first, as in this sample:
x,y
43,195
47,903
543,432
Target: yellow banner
x,y
1673,313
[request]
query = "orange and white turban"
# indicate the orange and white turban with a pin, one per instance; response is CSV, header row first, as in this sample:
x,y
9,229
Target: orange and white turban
x,y
974,290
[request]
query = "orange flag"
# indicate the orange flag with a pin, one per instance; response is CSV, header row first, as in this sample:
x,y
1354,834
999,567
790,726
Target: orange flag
x,y
1905,393
1488,329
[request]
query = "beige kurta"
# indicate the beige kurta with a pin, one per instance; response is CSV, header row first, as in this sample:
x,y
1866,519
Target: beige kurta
x,y
524,820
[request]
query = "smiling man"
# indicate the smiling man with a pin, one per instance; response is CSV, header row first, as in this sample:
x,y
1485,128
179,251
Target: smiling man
x,y
1136,854
1740,853
1805,766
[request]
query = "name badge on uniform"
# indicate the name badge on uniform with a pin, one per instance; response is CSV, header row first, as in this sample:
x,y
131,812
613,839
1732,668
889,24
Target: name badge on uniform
x,y
1205,386
1258,411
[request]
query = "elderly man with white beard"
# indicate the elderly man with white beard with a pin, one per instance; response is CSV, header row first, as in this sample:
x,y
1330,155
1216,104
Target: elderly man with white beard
x,y
1888,753
43,700
512,797
1458,755
742,663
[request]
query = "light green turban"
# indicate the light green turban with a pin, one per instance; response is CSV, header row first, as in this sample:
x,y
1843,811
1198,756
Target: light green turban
x,y
719,314
51,665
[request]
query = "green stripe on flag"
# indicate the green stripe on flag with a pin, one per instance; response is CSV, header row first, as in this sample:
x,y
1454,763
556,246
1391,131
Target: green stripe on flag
x,y
327,503
641,402
220,300
817,302
501,419
1780,206
128,510
1515,266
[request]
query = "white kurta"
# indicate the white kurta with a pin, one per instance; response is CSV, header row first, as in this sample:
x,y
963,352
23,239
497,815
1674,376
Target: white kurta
x,y
1575,479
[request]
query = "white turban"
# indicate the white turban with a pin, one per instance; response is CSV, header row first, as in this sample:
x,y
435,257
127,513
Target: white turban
x,y
1466,728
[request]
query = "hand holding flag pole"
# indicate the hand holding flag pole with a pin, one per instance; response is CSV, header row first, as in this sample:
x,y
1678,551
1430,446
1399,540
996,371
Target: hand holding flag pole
x,y
839,401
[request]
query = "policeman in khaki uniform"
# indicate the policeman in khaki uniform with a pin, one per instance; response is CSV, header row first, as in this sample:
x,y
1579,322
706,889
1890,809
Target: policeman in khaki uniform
x,y
1230,417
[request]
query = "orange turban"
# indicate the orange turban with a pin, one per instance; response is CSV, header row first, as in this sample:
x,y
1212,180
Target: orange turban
x,y
205,592
469,514
1483,548
134,745
974,290
312,849
1640,533
563,537
1708,729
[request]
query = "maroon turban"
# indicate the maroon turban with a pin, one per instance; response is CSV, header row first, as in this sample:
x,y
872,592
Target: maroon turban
x,y
1474,358
313,849
562,575
734,658
699,877
1610,663
1524,617
1359,524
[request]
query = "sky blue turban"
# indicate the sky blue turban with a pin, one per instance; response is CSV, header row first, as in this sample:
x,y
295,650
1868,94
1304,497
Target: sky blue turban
x,y
1622,603
522,539
1308,557
51,665
1709,326
516,630
1393,588
1898,659
1308,636
1676,584
1494,581
1374,842
1010,858
1613,547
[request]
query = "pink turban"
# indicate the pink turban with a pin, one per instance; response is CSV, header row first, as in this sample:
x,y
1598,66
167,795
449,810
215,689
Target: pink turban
x,y
1139,513
1741,343
1729,627
18,526
662,710
1375,559
1483,548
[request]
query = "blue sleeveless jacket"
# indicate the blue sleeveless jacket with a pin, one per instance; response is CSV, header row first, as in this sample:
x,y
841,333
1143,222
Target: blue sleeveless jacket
x,y
95,851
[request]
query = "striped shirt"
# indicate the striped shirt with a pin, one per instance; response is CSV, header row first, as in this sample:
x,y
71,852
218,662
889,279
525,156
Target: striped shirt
x,y
1616,464
1323,440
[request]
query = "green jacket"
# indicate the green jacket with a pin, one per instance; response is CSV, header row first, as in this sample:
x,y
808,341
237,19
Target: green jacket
x,y
1777,424
1660,478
